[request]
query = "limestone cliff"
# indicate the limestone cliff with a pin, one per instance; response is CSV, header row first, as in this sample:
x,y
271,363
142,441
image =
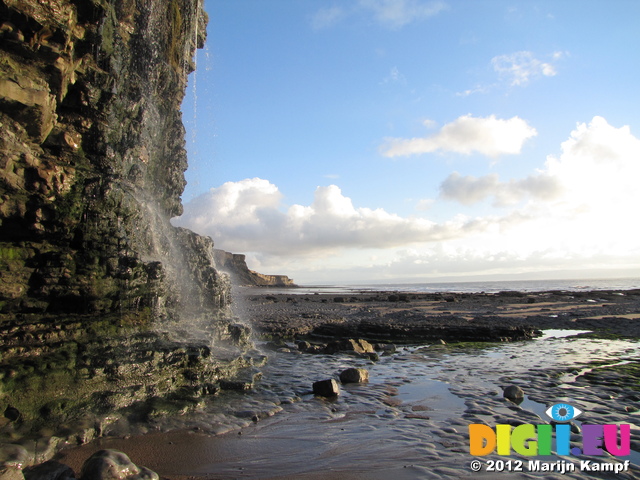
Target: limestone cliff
x,y
93,278
236,266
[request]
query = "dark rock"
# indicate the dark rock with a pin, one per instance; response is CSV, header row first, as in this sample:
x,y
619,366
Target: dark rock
x,y
12,414
386,348
114,465
514,393
354,375
103,303
242,382
12,455
50,470
326,388
349,345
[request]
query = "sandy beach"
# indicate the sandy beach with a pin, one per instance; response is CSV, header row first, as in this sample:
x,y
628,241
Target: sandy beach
x,y
411,419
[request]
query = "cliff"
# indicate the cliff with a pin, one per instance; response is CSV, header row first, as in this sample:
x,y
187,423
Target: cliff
x,y
235,265
103,304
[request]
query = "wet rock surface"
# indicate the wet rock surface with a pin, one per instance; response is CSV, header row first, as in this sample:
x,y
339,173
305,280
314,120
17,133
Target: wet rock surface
x,y
106,309
391,317
409,421
354,375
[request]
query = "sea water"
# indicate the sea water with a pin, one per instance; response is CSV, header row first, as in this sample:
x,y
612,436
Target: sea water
x,y
468,287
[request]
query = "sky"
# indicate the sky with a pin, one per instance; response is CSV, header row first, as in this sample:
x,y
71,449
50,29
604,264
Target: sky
x,y
362,141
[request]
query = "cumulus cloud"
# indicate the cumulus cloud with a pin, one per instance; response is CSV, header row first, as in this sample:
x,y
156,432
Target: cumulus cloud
x,y
597,163
248,216
580,213
469,189
393,14
488,136
519,68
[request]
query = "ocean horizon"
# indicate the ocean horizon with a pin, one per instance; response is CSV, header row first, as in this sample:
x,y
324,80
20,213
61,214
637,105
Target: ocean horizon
x,y
484,286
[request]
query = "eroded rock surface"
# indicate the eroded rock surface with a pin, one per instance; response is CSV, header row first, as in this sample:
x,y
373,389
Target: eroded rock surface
x,y
103,304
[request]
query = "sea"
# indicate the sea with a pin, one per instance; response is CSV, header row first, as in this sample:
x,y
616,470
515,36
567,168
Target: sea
x,y
572,285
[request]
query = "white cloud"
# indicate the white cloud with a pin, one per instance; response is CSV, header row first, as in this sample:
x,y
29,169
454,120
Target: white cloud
x,y
520,67
577,211
474,90
394,76
469,189
247,216
424,204
599,166
488,136
598,163
327,17
393,14
398,13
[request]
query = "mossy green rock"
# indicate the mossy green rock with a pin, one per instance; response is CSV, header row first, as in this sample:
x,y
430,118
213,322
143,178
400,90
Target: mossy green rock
x,y
103,304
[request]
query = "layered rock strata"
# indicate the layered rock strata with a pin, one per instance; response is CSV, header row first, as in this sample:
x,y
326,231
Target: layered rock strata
x,y
235,265
102,302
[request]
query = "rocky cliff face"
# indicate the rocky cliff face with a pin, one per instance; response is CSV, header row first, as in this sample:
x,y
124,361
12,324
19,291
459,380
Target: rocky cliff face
x,y
235,265
91,169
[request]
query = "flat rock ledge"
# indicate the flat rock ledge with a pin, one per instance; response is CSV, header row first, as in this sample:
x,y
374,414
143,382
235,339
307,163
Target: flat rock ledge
x,y
411,318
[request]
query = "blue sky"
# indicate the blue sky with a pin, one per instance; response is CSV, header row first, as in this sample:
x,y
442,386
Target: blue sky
x,y
417,140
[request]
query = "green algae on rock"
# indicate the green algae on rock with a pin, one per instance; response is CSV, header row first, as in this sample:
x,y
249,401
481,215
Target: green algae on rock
x,y
103,304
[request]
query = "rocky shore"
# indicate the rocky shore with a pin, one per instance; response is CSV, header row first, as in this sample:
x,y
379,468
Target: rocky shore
x,y
311,331
408,416
452,317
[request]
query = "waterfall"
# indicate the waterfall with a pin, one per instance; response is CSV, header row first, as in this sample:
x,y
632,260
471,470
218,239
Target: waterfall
x,y
184,307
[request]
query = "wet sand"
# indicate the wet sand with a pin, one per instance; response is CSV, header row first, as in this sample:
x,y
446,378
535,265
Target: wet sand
x,y
410,421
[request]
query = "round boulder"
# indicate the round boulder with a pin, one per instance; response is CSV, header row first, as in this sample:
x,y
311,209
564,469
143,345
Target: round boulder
x,y
114,465
514,393
12,455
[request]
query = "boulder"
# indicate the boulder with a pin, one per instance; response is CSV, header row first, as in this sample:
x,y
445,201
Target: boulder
x,y
114,465
349,345
514,393
11,473
50,470
303,346
12,455
326,388
354,375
